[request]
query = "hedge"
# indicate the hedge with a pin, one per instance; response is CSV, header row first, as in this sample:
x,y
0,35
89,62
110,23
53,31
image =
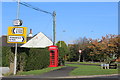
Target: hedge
x,y
37,59
27,59
6,51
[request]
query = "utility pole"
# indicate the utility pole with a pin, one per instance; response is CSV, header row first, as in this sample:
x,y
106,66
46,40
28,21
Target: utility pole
x,y
54,27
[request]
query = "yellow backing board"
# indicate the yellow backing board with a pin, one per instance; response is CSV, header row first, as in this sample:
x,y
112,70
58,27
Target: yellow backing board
x,y
17,35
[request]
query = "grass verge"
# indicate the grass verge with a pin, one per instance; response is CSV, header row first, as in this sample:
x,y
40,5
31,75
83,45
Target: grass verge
x,y
85,63
38,72
8,74
84,70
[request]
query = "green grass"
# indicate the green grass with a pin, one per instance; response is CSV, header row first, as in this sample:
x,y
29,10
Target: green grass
x,y
8,74
83,70
85,63
38,72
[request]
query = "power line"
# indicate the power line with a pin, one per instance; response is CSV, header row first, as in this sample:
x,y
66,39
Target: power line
x,y
35,8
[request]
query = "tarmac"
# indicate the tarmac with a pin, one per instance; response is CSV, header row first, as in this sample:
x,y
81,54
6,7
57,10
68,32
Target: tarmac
x,y
63,74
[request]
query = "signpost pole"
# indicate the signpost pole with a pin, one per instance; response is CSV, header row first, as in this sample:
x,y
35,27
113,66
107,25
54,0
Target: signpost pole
x,y
15,58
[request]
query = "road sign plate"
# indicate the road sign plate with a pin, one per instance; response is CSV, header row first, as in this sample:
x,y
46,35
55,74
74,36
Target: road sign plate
x,y
17,22
17,31
15,38
21,31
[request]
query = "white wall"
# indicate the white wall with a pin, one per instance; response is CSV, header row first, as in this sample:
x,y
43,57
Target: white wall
x,y
4,70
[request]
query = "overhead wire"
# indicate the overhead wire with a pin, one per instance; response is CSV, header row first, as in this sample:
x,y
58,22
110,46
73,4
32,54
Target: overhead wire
x,y
35,8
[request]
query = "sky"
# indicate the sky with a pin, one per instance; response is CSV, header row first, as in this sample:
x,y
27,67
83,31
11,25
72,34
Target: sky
x,y
73,19
62,0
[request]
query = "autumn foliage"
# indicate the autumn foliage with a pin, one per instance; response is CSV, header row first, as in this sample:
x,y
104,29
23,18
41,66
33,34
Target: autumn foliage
x,y
106,48
103,50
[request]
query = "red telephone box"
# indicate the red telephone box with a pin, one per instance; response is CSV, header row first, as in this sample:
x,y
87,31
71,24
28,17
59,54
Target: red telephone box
x,y
53,56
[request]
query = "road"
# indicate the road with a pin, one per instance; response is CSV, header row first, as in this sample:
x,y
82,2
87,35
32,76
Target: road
x,y
94,78
62,74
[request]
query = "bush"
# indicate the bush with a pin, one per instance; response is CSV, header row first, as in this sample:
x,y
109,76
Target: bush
x,y
6,52
37,59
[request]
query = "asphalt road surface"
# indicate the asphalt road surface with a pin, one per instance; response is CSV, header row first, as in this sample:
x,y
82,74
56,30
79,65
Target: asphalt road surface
x,y
60,79
61,74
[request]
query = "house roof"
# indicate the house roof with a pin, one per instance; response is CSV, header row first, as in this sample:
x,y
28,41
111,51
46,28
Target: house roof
x,y
38,41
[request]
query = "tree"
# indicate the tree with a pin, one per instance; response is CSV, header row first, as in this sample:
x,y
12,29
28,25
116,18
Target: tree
x,y
63,50
73,52
113,46
82,44
79,44
105,48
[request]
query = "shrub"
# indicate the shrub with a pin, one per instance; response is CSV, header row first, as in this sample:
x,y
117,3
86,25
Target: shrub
x,y
37,59
6,52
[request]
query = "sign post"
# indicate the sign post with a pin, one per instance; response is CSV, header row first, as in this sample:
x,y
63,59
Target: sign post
x,y
16,35
15,59
16,22
80,51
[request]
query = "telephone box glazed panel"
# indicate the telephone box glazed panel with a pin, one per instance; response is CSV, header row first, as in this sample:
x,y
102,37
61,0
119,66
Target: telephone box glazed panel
x,y
53,56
